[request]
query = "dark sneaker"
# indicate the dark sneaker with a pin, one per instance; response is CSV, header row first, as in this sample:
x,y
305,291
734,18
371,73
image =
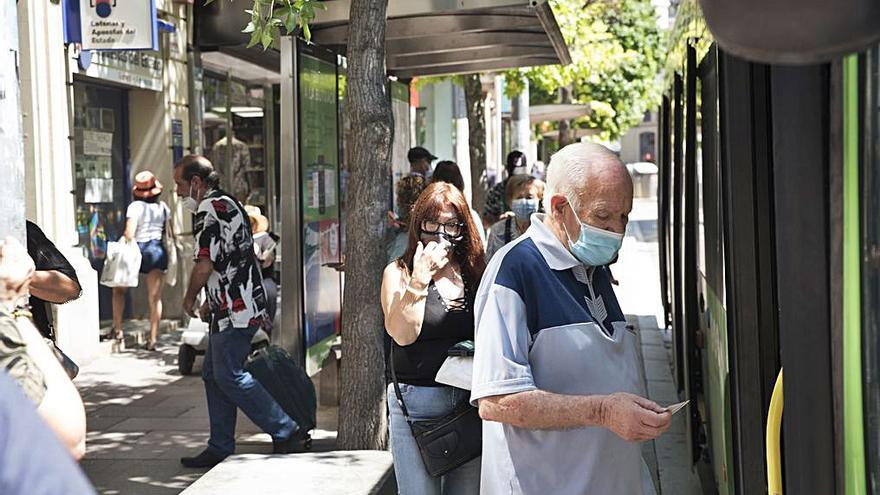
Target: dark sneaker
x,y
300,441
206,459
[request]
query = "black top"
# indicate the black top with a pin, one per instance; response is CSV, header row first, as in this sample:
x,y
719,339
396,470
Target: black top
x,y
444,325
46,257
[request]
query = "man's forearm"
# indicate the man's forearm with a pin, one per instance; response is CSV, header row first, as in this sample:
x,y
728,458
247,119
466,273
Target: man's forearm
x,y
198,278
54,286
540,410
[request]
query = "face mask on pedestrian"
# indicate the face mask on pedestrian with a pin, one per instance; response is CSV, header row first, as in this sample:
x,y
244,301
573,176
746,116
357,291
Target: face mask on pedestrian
x,y
594,247
523,208
188,202
447,241
520,170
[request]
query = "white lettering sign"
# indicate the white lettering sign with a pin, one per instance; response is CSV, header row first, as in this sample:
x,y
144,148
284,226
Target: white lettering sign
x,y
117,24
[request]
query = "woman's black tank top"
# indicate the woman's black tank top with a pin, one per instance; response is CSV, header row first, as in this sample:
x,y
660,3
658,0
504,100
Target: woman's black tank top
x,y
443,327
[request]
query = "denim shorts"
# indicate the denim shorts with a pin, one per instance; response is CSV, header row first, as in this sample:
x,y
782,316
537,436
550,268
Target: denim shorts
x,y
153,256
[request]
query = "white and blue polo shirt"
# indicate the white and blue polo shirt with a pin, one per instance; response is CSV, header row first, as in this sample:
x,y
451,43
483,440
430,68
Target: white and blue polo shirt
x,y
545,321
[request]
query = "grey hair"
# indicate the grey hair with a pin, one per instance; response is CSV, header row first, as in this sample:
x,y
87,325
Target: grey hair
x,y
571,167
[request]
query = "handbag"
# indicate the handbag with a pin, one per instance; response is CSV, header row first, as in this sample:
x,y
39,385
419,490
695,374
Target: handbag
x,y
448,442
122,265
171,252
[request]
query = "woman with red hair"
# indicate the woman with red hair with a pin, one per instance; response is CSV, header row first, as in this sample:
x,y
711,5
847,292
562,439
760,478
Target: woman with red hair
x,y
427,296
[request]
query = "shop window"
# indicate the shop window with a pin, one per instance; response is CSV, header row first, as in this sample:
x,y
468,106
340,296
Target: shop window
x,y
235,136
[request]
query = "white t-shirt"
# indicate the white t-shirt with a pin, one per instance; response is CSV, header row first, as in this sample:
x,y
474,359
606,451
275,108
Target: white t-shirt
x,y
150,218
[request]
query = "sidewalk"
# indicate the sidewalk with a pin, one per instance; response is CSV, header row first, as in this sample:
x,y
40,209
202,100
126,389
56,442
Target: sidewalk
x,y
143,416
667,456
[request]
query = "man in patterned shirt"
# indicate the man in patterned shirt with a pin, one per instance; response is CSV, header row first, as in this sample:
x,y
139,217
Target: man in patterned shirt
x,y
226,267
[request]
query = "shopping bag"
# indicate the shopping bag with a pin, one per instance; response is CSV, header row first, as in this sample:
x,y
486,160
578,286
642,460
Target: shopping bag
x,y
121,265
171,251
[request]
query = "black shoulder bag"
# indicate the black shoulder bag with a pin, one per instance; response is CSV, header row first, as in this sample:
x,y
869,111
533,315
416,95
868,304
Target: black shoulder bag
x,y
448,442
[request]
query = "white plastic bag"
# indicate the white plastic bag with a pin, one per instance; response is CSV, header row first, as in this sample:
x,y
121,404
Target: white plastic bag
x,y
456,371
121,265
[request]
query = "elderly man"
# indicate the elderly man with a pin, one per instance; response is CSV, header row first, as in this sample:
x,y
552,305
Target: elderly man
x,y
556,371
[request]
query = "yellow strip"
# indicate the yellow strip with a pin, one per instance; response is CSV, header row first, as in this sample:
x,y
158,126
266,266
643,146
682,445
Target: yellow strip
x,y
774,427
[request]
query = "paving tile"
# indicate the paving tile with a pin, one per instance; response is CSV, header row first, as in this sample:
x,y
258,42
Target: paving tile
x,y
141,411
652,338
658,370
662,391
161,424
655,353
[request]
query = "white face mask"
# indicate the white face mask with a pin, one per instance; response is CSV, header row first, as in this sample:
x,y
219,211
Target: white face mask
x,y
521,170
190,203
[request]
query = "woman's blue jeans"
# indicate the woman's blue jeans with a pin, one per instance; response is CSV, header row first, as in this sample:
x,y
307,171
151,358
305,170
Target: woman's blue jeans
x,y
412,478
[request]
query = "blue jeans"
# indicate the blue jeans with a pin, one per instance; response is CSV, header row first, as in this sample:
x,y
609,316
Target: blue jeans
x,y
228,385
412,478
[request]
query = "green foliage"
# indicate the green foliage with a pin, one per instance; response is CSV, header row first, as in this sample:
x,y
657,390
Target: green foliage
x,y
689,30
616,50
268,17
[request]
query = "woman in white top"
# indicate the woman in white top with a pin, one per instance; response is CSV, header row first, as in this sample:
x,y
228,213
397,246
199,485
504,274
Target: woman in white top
x,y
147,221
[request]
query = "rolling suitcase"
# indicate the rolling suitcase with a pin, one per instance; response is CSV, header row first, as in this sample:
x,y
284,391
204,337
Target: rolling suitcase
x,y
287,383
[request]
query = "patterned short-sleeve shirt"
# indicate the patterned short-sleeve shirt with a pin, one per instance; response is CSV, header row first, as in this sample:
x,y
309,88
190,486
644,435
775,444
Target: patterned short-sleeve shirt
x,y
235,288
495,204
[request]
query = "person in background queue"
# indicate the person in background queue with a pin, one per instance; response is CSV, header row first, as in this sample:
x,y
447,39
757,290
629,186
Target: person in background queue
x,y
448,171
496,207
524,195
420,161
556,374
408,190
226,266
265,248
427,297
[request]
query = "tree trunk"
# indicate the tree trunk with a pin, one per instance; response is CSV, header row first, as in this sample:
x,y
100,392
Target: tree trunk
x,y
565,131
473,94
362,411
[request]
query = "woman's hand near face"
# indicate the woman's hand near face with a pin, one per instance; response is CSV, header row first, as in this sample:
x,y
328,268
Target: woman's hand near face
x,y
427,261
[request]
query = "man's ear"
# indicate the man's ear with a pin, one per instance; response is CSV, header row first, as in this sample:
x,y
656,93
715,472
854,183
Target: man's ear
x,y
558,204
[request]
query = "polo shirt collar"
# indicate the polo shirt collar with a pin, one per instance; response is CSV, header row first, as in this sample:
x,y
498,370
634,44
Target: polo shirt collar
x,y
555,254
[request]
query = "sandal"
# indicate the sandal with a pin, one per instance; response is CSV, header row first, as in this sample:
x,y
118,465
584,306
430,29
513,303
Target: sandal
x,y
150,346
120,336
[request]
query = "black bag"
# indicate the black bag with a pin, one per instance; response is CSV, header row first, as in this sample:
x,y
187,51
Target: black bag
x,y
448,442
287,383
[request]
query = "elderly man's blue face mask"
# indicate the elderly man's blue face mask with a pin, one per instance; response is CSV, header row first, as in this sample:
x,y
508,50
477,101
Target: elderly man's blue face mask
x,y
594,247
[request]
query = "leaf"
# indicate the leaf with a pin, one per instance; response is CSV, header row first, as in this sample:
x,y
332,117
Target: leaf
x,y
250,28
268,36
307,33
256,36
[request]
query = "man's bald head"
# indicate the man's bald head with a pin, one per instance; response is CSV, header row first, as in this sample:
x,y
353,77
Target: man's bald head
x,y
579,168
587,183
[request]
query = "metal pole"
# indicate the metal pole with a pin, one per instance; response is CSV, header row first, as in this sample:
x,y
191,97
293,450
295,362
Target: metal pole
x,y
12,203
291,334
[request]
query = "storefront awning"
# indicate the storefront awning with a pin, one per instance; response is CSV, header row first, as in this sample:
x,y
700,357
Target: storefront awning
x,y
440,37
557,111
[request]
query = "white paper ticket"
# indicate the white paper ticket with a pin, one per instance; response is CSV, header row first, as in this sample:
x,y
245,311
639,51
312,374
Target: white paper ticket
x,y
674,408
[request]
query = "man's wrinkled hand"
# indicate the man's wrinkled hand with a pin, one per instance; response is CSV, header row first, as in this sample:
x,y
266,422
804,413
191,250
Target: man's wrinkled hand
x,y
633,418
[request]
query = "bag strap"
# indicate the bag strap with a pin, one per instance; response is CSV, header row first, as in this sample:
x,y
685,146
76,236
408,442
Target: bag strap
x,y
507,234
396,384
